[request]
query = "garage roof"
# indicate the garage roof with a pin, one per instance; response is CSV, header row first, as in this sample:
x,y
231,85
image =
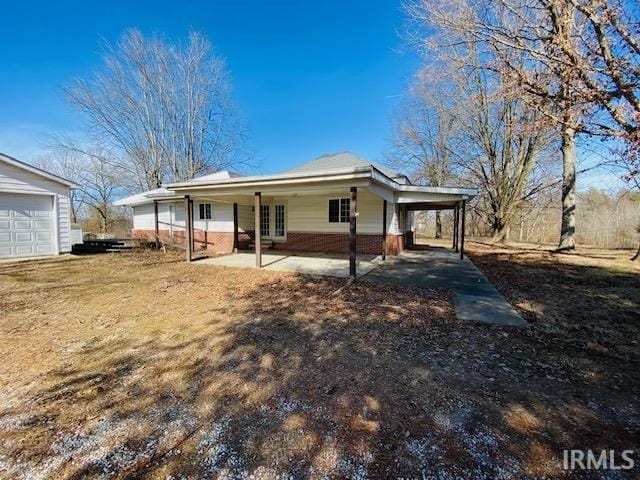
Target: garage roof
x,y
38,171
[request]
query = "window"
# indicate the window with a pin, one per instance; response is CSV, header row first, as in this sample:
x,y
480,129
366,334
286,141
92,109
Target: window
x,y
205,211
339,209
264,220
279,214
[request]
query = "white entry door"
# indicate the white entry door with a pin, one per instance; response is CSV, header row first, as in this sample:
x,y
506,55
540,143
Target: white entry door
x,y
26,225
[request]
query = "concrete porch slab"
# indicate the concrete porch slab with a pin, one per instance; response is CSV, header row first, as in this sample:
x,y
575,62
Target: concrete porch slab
x,y
306,263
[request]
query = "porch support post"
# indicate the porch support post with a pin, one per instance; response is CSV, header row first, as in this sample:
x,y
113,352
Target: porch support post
x,y
462,222
258,239
157,226
458,228
235,228
187,227
384,229
352,232
455,228
193,229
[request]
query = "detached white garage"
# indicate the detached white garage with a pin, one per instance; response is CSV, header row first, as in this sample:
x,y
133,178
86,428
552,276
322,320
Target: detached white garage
x,y
34,211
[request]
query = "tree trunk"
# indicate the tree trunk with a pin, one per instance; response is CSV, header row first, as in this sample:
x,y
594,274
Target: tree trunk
x,y
521,233
568,229
438,225
500,233
499,228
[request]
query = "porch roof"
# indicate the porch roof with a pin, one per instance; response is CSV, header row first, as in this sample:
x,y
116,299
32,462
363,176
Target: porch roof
x,y
331,173
327,180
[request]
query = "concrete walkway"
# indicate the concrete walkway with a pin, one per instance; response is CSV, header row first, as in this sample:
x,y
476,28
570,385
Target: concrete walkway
x,y
333,265
474,297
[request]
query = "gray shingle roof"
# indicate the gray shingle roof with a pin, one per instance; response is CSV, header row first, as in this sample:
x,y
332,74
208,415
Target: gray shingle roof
x,y
336,161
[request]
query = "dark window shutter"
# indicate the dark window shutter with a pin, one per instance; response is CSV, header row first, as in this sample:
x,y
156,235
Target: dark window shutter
x,y
334,210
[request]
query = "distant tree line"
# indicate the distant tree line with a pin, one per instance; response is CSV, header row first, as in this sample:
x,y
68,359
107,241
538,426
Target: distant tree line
x,y
603,219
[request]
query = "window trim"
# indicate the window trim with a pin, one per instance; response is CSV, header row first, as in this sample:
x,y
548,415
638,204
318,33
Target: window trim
x,y
275,221
202,211
340,199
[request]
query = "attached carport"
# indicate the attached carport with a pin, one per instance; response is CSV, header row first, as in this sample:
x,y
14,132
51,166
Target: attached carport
x,y
454,199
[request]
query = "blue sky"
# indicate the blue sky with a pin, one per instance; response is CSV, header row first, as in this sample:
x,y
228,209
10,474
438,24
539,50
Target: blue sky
x,y
309,77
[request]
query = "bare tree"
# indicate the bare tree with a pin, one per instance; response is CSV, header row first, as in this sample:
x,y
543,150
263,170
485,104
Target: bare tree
x,y
609,63
101,188
532,45
496,142
507,151
164,111
70,166
424,137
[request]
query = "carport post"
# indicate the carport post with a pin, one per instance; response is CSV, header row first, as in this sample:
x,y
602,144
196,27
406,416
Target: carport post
x,y
464,205
187,226
455,228
155,219
384,229
258,230
352,232
191,226
235,228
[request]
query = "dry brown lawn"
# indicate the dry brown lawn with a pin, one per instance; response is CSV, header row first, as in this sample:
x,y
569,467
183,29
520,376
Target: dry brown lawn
x,y
142,366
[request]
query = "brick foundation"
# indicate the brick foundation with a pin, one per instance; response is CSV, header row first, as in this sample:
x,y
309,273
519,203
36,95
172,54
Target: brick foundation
x,y
339,243
219,242
222,242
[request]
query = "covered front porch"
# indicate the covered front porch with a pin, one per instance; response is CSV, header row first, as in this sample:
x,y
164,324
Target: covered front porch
x,y
349,215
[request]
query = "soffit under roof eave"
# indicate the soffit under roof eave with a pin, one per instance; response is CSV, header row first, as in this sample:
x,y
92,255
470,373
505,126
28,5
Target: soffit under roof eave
x,y
273,187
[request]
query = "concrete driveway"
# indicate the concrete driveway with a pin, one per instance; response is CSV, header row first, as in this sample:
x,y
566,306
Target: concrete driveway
x,y
475,298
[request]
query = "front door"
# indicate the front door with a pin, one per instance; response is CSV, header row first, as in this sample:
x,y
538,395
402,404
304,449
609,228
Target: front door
x,y
265,221
273,221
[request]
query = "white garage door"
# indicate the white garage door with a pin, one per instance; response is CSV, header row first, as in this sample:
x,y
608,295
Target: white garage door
x,y
26,225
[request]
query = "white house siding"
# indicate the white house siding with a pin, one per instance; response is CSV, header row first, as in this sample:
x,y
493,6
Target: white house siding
x,y
19,181
310,214
143,217
221,217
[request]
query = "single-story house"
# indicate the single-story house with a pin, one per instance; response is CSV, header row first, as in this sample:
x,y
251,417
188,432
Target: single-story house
x,y
335,203
34,210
